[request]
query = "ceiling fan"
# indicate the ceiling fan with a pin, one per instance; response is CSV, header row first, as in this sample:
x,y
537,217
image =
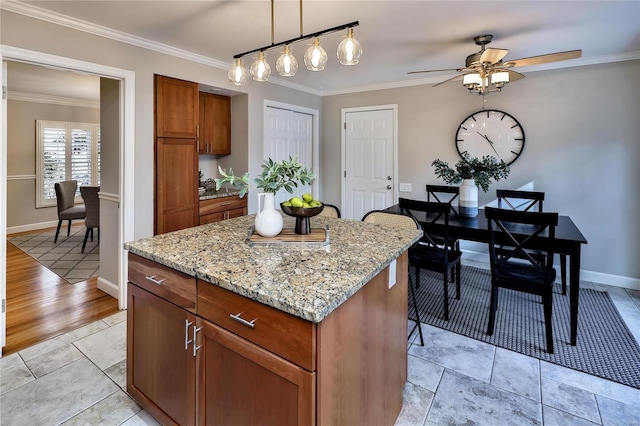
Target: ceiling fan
x,y
485,71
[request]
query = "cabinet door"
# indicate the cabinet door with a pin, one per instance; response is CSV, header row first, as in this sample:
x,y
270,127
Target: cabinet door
x,y
220,127
176,108
206,131
160,371
240,383
176,184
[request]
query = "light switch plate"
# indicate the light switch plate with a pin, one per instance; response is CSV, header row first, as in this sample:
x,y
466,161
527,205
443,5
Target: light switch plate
x,y
405,187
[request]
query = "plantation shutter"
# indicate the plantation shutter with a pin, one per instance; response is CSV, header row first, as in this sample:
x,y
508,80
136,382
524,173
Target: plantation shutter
x,y
54,159
81,157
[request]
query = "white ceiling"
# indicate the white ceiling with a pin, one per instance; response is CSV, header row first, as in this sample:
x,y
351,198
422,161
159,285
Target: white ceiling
x,y
396,36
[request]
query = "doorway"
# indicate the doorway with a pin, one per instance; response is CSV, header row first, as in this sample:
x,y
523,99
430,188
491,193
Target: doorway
x,y
369,159
122,201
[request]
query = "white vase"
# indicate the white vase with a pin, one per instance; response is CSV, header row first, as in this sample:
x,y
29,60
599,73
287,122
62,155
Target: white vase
x,y
268,221
468,203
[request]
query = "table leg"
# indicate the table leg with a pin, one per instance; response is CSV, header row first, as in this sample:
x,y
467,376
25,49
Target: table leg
x,y
574,282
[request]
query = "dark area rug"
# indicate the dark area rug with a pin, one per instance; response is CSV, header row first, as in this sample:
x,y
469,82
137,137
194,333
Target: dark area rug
x,y
605,347
64,258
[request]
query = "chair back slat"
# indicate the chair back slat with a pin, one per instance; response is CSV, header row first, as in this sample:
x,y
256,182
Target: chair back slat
x,y
439,192
430,213
520,200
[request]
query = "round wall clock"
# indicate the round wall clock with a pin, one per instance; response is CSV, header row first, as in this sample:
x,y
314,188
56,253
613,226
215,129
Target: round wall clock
x,y
491,132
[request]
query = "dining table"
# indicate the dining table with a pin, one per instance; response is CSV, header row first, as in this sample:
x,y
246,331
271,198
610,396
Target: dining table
x,y
568,241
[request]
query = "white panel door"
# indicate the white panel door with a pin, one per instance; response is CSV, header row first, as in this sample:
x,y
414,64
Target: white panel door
x,y
289,133
369,162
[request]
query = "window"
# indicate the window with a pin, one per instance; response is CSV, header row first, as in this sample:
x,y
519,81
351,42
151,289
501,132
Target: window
x,y
66,151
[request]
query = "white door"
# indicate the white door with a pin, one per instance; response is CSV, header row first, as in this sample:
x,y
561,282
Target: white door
x,y
289,133
369,166
3,204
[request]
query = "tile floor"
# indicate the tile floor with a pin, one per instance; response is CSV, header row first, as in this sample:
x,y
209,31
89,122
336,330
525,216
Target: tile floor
x,y
79,379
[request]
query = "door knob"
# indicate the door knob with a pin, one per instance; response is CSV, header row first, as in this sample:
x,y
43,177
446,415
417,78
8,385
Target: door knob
x,y
388,177
388,186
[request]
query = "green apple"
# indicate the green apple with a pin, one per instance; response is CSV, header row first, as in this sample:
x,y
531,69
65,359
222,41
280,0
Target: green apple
x,y
306,205
307,197
315,203
287,203
296,202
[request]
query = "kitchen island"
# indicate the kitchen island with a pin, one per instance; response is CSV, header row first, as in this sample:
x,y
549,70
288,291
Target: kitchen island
x,y
225,331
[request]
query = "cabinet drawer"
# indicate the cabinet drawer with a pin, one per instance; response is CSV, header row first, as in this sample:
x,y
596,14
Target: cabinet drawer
x,y
211,218
221,204
169,284
288,336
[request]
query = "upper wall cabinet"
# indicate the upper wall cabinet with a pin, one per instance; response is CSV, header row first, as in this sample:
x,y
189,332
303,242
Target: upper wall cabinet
x,y
215,124
177,104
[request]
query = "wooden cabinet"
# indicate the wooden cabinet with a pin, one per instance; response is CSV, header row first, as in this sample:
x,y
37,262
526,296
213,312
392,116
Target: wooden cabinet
x,y
176,194
222,208
215,124
176,108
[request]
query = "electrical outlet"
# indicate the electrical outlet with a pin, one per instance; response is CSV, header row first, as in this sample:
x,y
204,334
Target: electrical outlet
x,y
405,187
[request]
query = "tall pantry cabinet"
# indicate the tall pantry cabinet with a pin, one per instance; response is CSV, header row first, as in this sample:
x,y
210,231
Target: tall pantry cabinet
x,y
176,156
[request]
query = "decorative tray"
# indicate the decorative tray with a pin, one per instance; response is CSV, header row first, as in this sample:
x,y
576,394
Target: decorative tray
x,y
318,237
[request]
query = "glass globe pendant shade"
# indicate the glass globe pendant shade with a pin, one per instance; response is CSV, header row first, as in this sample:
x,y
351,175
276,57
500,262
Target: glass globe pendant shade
x,y
238,74
287,64
260,69
349,50
315,58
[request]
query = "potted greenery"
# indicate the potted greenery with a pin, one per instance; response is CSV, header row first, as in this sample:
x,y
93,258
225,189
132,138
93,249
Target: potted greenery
x,y
275,175
471,172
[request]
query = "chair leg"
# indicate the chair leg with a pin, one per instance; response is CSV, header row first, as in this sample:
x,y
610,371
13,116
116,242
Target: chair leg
x,y
55,240
415,306
563,272
548,310
417,278
446,294
69,228
493,304
458,268
91,234
84,243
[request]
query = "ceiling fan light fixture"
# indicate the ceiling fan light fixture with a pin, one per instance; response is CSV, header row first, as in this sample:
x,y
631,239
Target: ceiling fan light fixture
x,y
500,78
238,74
315,58
260,69
287,64
349,49
471,80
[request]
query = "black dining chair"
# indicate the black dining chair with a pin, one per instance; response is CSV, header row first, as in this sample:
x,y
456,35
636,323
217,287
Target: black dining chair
x,y
445,194
529,201
92,203
434,251
511,237
406,222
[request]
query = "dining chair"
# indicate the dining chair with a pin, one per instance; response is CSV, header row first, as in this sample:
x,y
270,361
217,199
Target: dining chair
x,y
65,200
434,251
529,201
513,267
92,203
330,210
445,194
405,222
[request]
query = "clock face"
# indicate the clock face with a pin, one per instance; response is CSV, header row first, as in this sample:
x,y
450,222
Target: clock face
x,y
491,132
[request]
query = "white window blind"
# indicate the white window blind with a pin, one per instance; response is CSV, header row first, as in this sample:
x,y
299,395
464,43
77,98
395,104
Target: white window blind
x,y
66,151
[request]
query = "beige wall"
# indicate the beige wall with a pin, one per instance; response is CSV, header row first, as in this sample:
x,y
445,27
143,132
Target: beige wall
x,y
21,156
582,148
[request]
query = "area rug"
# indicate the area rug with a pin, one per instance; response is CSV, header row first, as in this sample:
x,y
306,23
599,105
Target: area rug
x,y
64,258
605,346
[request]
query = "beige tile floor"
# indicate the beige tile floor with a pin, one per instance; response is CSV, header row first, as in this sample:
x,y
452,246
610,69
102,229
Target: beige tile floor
x,y
79,379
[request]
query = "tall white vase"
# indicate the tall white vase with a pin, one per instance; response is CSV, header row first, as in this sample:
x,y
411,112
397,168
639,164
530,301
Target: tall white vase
x,y
268,221
468,198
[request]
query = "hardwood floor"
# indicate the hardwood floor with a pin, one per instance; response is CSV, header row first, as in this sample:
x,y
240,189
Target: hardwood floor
x,y
41,305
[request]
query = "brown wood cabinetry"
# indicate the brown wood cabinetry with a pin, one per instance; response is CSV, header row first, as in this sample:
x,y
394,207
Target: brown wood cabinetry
x,y
176,108
222,208
215,124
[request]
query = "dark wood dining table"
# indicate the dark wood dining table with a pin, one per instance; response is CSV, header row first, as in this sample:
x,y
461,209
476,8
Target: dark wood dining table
x,y
569,241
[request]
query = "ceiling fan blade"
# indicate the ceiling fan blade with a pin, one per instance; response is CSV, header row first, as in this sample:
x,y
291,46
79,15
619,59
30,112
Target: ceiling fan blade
x,y
513,75
457,77
493,55
420,72
543,59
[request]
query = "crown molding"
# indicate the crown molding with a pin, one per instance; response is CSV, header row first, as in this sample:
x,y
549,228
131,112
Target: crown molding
x,y
54,100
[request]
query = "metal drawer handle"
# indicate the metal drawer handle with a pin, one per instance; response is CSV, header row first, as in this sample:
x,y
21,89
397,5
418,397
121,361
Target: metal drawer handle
x,y
195,341
187,323
153,279
237,317
226,203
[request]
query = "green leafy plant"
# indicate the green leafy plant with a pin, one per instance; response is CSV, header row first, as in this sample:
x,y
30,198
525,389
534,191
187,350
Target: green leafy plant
x,y
275,175
481,170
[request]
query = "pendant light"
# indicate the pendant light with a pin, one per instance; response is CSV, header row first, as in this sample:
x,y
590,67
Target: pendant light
x,y
238,74
315,58
287,64
260,69
349,50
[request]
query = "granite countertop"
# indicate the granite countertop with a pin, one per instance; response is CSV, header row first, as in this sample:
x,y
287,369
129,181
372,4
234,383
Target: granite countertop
x,y
210,194
306,281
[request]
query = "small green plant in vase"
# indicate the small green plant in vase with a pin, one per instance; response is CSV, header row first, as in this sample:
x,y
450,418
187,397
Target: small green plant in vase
x,y
471,172
274,176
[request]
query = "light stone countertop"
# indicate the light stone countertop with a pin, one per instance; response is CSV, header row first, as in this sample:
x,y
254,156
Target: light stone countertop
x,y
211,194
306,281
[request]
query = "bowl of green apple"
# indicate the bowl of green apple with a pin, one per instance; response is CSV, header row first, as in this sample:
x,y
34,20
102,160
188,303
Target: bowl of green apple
x,y
302,208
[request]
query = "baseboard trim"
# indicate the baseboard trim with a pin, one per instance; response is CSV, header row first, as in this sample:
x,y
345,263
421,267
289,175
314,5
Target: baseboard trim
x,y
481,260
108,287
33,227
